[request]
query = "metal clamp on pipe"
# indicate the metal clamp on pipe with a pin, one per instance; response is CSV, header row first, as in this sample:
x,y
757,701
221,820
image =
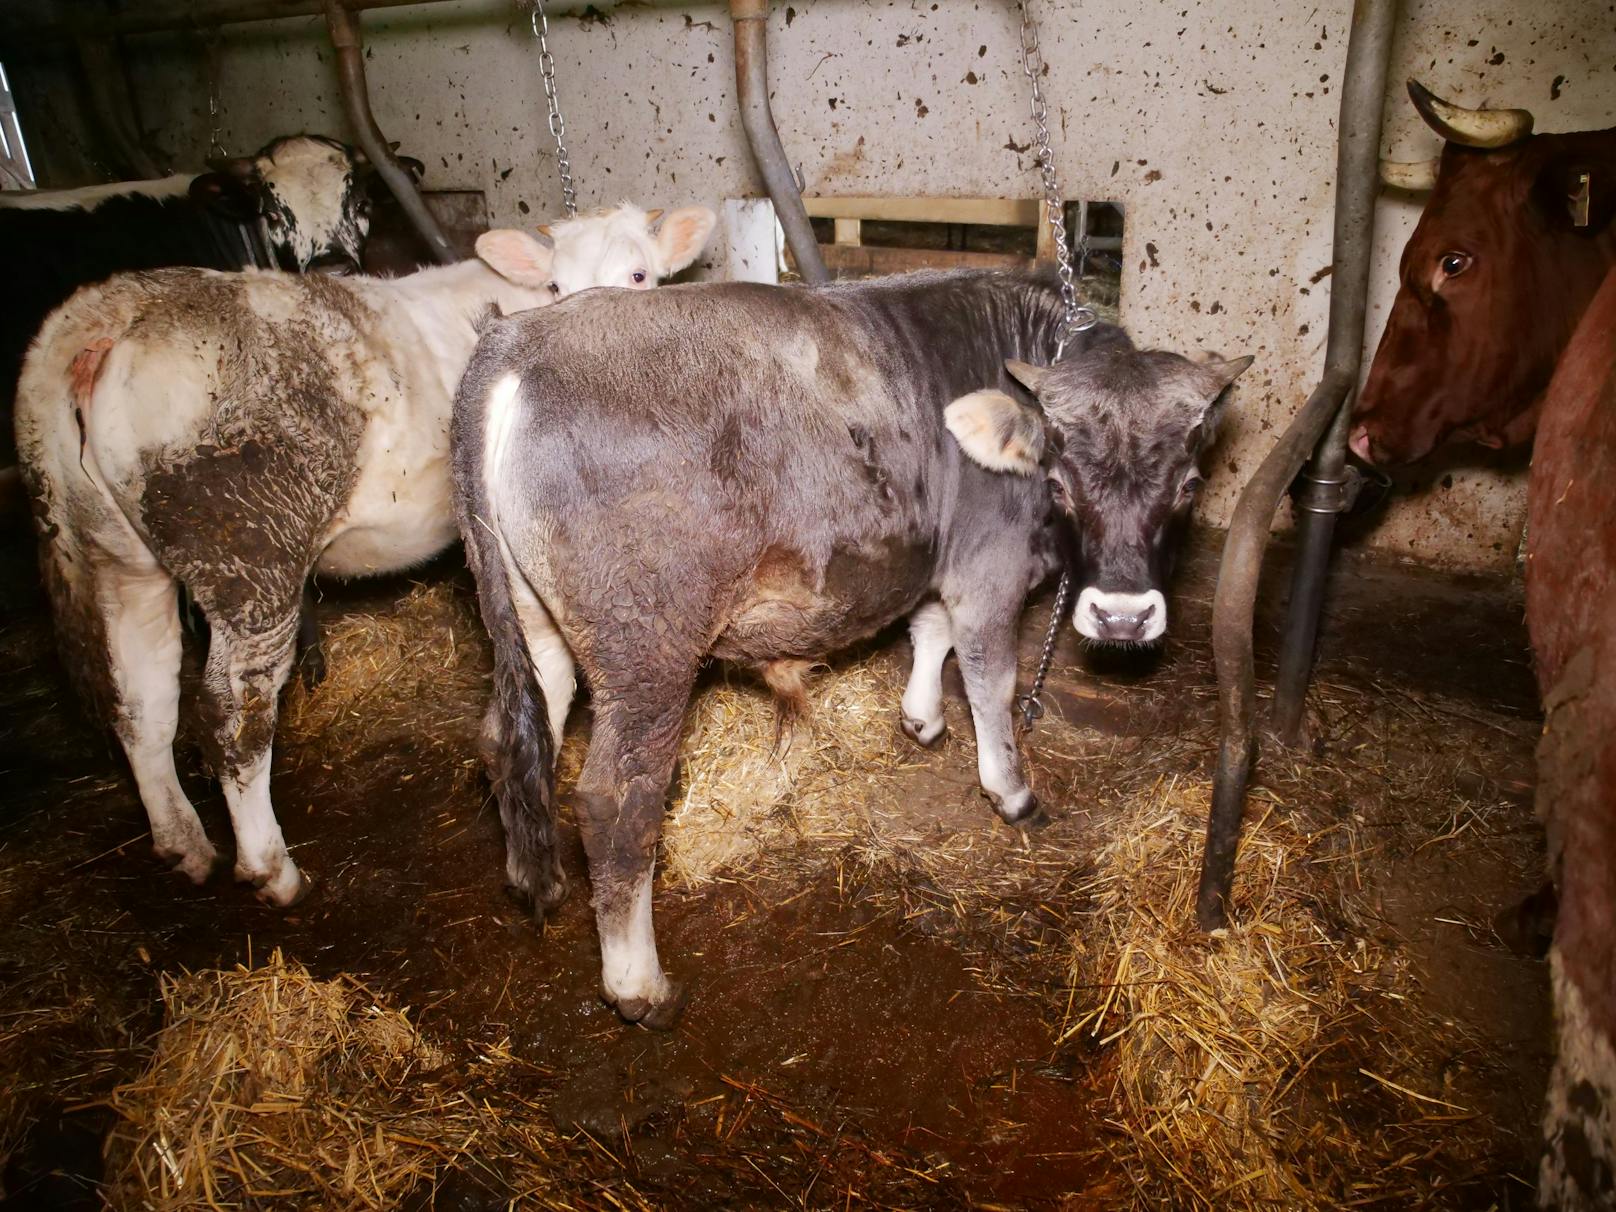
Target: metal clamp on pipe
x,y
1327,494
750,18
345,38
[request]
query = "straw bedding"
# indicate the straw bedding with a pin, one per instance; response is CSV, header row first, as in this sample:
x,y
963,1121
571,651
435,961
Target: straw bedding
x,y
1282,1064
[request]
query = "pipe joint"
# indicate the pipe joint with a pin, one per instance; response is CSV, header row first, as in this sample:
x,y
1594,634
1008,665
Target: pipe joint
x,y
1327,494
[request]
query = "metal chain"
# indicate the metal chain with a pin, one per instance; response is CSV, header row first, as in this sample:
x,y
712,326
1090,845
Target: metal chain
x,y
216,149
1031,704
1077,318
558,124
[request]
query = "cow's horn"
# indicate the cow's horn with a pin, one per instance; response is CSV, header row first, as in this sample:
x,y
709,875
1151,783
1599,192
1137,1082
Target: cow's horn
x,y
1413,175
652,215
1469,127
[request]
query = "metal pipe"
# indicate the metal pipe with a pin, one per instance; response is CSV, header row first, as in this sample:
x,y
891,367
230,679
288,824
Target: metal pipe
x,y
1315,530
750,18
345,37
1363,98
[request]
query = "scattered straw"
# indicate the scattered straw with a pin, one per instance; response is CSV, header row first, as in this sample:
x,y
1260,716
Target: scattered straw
x,y
742,794
268,1084
417,669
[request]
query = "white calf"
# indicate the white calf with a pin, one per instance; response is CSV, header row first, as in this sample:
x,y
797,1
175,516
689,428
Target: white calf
x,y
234,433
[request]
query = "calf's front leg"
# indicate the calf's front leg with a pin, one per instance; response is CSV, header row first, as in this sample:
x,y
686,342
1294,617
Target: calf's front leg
x,y
986,644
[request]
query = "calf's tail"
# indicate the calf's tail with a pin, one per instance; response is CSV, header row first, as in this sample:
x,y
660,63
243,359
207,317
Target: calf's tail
x,y
523,757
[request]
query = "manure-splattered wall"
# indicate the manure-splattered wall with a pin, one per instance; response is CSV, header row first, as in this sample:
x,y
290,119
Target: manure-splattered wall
x,y
1212,122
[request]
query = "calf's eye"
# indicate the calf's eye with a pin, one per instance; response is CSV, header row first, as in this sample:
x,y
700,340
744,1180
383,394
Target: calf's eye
x,y
555,291
1452,264
639,276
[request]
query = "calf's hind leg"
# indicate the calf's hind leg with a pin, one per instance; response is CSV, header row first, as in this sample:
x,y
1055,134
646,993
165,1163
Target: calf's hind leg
x,y
140,611
621,796
932,634
247,666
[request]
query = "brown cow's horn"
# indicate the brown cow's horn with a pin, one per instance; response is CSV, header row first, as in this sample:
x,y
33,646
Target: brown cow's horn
x,y
652,215
1418,175
544,230
1469,127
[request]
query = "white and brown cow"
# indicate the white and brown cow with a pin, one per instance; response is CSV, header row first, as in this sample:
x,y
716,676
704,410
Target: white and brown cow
x,y
234,433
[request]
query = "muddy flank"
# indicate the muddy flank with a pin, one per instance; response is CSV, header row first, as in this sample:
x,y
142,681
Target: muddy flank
x,y
897,1001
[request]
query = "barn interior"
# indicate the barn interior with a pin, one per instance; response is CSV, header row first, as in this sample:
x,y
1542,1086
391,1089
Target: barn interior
x,y
897,1000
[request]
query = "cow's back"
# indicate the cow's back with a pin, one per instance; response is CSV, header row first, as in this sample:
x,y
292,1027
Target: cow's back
x,y
210,410
52,252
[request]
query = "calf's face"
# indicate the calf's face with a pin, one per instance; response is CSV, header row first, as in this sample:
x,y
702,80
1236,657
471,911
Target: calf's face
x,y
608,248
1117,436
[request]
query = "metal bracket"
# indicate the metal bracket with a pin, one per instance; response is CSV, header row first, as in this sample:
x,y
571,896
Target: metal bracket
x,y
1334,495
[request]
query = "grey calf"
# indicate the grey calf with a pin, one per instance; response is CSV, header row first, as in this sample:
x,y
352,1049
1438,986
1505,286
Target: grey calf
x,y
767,474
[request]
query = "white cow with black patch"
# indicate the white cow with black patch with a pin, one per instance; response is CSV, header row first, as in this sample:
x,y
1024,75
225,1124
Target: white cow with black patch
x,y
234,433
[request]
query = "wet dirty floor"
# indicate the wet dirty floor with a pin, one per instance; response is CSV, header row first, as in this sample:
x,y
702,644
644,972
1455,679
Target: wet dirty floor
x,y
844,1044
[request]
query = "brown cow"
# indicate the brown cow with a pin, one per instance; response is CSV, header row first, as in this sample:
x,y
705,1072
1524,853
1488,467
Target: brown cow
x,y
1513,243
1571,615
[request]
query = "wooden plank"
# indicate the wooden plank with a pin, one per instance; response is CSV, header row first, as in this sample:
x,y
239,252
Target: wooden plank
x,y
997,212
866,259
849,231
1045,250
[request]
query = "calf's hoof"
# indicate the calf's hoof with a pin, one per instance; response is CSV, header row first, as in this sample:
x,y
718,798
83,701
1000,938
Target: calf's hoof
x,y
198,866
1021,810
927,736
311,668
659,1014
280,889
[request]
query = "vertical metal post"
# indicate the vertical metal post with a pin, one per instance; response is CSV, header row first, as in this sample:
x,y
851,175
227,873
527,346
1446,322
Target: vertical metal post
x,y
350,47
1321,500
750,18
1363,98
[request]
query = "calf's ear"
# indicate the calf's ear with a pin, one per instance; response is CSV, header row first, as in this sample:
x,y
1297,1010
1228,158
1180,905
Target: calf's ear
x,y
997,432
682,236
1030,377
228,195
1219,372
516,256
1216,374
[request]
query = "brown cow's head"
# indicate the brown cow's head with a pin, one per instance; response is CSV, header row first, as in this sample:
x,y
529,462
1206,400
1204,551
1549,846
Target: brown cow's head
x,y
1509,250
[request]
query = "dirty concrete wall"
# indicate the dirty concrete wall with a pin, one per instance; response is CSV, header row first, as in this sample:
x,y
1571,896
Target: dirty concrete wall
x,y
1212,122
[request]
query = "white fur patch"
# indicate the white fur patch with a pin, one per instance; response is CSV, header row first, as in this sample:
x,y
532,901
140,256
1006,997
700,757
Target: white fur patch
x,y
499,419
91,196
1095,601
629,968
1579,1110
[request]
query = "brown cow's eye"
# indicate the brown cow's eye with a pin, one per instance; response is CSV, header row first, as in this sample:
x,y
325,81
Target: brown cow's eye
x,y
1453,264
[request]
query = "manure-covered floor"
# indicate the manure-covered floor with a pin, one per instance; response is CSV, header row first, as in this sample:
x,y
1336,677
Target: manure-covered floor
x,y
897,1001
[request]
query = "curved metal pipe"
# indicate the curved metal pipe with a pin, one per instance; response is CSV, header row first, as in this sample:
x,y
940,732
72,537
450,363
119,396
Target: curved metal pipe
x,y
345,37
1363,99
750,18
